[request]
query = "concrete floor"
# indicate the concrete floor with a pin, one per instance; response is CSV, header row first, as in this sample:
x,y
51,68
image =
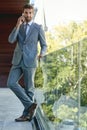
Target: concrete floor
x,y
11,108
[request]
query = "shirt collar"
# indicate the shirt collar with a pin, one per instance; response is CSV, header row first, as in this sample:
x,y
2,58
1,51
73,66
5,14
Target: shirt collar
x,y
29,23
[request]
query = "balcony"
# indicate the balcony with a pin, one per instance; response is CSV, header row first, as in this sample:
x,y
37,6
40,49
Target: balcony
x,y
62,99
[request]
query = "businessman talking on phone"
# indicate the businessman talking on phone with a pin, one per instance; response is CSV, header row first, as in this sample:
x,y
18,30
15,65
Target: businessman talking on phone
x,y
26,35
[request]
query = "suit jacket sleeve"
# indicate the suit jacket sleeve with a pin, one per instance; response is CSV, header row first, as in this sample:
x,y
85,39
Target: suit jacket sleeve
x,y
13,35
42,40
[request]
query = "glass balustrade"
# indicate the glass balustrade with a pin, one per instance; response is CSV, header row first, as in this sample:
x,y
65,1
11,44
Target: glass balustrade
x,y
63,98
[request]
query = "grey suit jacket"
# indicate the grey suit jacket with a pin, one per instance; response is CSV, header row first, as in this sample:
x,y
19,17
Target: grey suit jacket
x,y
28,48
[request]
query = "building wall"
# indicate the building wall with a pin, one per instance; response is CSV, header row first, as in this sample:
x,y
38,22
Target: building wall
x,y
9,12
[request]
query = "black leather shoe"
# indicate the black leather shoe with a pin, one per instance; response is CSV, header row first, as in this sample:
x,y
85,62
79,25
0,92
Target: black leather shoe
x,y
22,119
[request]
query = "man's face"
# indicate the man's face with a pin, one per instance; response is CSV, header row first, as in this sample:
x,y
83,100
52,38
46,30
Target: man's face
x,y
28,14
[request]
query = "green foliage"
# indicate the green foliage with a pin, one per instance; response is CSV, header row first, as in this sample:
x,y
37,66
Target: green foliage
x,y
66,34
61,69
39,78
48,112
67,113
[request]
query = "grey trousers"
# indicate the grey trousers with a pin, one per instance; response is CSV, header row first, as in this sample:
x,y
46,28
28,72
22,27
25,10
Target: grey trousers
x,y
25,94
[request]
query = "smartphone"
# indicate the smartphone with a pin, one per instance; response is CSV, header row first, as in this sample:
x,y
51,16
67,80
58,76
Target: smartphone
x,y
23,18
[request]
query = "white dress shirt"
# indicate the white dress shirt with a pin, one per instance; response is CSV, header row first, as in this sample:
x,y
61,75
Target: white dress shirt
x,y
27,26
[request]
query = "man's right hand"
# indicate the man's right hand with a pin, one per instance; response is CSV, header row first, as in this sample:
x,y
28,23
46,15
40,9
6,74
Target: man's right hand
x,y
20,20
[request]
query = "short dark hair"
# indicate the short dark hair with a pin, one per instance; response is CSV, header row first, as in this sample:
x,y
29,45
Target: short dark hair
x,y
28,6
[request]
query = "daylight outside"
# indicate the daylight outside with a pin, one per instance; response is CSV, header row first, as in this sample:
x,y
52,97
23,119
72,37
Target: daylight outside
x,y
61,76
64,68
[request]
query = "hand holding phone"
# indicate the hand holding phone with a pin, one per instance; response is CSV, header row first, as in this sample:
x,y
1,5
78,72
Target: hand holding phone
x,y
20,21
23,18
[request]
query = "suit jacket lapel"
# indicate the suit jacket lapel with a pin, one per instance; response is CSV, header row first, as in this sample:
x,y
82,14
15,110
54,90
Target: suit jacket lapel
x,y
22,30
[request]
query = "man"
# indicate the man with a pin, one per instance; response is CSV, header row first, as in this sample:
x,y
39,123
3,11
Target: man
x,y
26,34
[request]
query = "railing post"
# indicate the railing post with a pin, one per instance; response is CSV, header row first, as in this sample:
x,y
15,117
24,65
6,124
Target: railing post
x,y
72,55
79,83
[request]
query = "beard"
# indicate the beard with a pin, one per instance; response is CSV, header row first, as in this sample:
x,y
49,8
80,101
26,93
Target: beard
x,y
28,19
